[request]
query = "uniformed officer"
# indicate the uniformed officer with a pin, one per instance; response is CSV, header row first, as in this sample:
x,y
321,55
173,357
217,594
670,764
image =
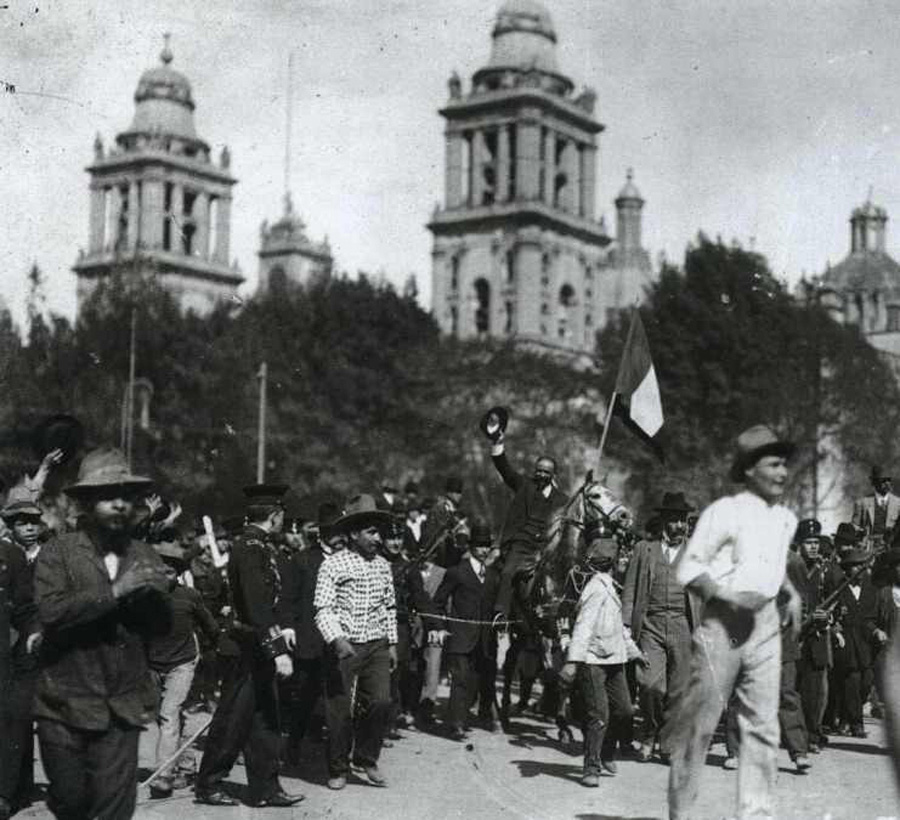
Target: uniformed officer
x,y
247,717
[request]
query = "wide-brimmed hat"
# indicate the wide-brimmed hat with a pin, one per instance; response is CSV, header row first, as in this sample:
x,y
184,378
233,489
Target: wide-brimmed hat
x,y
807,528
674,503
854,557
494,422
755,443
104,468
172,552
58,432
361,511
846,533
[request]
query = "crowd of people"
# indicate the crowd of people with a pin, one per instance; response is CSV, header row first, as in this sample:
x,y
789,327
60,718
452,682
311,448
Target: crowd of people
x,y
340,630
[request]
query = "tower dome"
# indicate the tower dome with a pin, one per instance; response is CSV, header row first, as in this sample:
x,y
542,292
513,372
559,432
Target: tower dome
x,y
523,37
629,189
164,103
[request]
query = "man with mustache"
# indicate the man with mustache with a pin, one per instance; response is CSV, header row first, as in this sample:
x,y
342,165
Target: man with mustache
x,y
100,597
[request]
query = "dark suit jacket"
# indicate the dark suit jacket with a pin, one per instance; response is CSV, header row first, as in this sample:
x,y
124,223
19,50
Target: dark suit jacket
x,y
255,581
529,506
310,644
636,590
472,600
858,623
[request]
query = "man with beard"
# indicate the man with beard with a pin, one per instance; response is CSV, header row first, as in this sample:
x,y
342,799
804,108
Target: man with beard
x,y
661,615
247,717
100,596
535,500
356,614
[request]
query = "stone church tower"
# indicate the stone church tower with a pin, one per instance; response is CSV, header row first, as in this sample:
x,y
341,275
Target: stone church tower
x,y
159,206
518,250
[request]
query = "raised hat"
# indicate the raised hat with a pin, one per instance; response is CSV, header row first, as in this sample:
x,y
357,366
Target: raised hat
x,y
807,528
674,503
755,443
494,422
106,468
58,432
265,495
362,511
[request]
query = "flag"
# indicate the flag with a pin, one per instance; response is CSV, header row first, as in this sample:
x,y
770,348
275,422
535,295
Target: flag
x,y
637,400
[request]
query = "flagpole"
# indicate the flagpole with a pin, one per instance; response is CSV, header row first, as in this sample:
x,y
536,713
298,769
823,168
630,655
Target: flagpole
x,y
606,421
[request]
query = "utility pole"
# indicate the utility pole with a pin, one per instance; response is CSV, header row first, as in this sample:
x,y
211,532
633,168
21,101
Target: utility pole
x,y
263,376
129,401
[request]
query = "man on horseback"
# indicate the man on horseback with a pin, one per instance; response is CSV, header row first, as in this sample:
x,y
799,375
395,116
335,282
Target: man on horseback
x,y
536,500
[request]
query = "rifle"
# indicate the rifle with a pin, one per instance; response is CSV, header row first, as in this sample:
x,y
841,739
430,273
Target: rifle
x,y
831,601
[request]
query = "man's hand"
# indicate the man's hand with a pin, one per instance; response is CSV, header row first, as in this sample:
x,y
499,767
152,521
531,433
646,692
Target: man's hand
x,y
567,673
33,643
343,649
141,575
392,655
284,666
839,640
880,635
290,637
436,637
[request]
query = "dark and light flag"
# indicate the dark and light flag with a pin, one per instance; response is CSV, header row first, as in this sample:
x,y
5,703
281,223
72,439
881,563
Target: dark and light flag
x,y
638,402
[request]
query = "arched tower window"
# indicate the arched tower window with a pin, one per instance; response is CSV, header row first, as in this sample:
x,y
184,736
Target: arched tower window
x,y
454,273
566,309
510,267
482,306
545,270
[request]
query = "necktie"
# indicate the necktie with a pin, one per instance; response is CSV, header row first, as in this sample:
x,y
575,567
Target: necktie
x,y
481,573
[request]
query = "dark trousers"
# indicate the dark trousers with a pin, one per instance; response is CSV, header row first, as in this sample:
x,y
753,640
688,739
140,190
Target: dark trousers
x,y
472,675
357,695
790,712
666,641
813,685
302,693
518,555
607,710
855,684
93,775
17,746
245,720
404,689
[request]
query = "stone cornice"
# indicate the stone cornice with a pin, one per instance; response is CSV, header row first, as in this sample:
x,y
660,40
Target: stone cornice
x,y
162,262
130,161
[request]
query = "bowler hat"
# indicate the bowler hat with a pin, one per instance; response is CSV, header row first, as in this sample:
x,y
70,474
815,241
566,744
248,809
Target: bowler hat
x,y
674,503
854,557
846,533
362,511
480,535
877,474
755,443
105,468
58,432
265,495
807,528
327,514
494,422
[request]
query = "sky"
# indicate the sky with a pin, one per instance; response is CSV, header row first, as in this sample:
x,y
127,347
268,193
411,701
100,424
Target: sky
x,y
761,121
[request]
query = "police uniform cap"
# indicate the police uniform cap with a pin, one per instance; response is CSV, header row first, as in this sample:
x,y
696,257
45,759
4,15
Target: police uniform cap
x,y
265,495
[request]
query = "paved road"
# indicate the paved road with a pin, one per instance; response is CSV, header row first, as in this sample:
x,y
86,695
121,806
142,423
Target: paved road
x,y
525,774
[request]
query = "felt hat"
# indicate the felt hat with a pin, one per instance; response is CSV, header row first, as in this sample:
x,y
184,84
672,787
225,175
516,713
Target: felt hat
x,y
58,432
411,488
846,533
326,516
171,552
265,495
104,468
807,528
494,422
755,443
877,474
674,503
854,557
362,511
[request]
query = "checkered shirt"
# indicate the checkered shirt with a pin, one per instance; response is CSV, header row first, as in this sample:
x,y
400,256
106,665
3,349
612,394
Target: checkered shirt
x,y
355,599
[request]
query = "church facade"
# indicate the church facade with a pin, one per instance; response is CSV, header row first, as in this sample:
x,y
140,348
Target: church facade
x,y
159,205
518,251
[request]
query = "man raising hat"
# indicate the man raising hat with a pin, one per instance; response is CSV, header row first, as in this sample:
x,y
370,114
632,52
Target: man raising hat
x,y
356,614
736,561
247,718
100,596
661,615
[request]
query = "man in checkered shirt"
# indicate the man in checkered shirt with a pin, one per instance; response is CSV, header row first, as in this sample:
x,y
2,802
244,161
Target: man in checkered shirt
x,y
356,614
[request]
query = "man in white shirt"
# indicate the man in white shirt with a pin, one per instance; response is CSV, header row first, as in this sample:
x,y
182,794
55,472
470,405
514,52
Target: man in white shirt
x,y
736,561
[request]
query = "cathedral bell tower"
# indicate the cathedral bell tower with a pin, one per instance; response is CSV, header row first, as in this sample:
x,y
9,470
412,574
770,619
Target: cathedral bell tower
x,y
159,206
517,247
